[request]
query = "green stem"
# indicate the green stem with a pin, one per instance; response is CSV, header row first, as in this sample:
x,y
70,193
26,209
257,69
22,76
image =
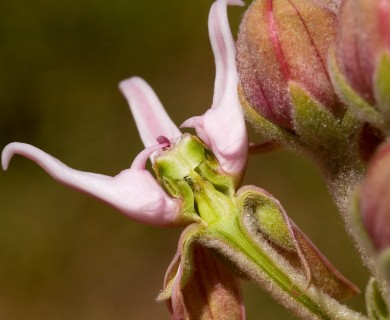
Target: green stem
x,y
342,176
285,286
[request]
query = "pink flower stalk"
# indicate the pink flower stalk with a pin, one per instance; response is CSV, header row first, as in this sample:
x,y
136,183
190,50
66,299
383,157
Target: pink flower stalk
x,y
222,128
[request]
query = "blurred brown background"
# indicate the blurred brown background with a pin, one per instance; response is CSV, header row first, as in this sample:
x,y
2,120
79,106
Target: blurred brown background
x,y
64,255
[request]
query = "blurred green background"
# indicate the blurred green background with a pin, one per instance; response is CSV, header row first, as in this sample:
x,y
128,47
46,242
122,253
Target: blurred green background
x,y
66,256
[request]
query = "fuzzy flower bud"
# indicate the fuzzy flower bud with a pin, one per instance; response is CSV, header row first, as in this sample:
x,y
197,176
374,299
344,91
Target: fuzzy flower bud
x,y
283,42
198,285
362,58
375,199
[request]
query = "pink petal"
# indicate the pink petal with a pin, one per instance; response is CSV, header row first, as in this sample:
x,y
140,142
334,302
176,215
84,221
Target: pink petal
x,y
133,191
211,292
222,42
223,127
197,285
149,114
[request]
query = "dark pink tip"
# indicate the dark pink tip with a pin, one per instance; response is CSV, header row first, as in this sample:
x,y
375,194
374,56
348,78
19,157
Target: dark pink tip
x,y
163,140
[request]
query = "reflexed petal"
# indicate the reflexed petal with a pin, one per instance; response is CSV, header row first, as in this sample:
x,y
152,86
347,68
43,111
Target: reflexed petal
x,y
149,114
222,42
133,191
211,292
324,274
198,286
223,127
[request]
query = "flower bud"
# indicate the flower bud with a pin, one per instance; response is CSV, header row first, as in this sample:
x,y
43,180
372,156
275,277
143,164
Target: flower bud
x,y
263,216
282,42
375,199
362,56
375,301
199,286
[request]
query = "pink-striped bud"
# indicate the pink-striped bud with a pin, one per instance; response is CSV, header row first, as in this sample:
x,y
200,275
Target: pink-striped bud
x,y
363,35
361,70
374,199
282,42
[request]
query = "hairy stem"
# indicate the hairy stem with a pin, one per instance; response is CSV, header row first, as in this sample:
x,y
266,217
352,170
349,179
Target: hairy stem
x,y
285,284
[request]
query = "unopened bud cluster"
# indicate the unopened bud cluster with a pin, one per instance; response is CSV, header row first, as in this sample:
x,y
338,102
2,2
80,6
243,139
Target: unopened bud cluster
x,y
316,74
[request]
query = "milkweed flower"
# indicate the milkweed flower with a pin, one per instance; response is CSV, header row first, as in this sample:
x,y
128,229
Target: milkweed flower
x,y
142,197
222,128
196,184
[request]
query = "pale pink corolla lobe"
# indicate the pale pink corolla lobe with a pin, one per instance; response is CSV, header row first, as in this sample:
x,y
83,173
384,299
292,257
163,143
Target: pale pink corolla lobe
x,y
222,127
149,114
134,191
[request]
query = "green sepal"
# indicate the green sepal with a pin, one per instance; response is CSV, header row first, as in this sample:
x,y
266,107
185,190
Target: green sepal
x,y
197,284
266,218
384,268
375,304
315,125
184,256
270,219
350,123
356,104
382,86
268,130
